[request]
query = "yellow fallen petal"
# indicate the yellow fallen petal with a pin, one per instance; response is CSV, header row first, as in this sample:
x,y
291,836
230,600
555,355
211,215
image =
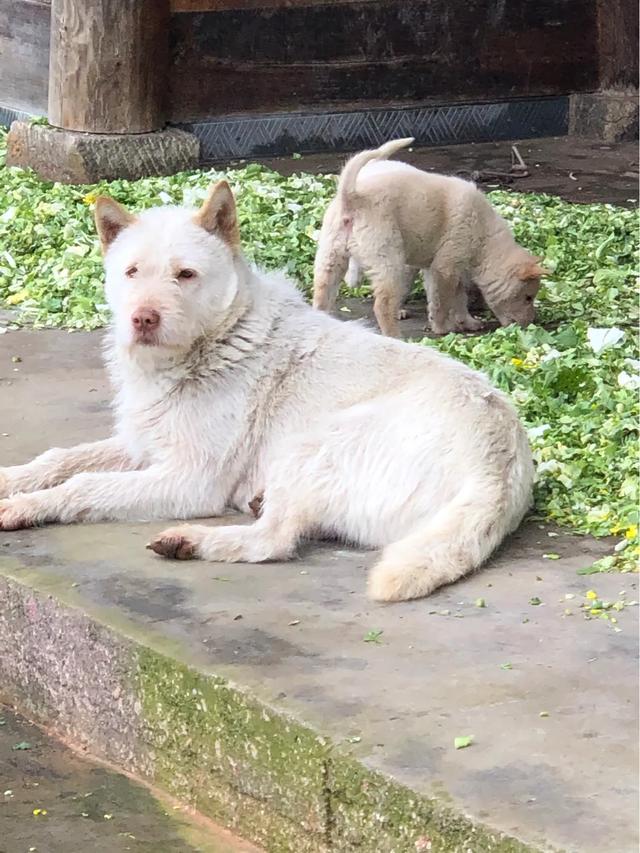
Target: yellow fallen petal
x,y
16,298
591,594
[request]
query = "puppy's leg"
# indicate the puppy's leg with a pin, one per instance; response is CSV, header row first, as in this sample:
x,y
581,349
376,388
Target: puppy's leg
x,y
155,492
352,276
57,465
386,308
331,261
439,290
460,309
408,278
326,282
390,285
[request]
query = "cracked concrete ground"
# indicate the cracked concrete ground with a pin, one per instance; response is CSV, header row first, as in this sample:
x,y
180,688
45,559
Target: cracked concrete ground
x,y
554,758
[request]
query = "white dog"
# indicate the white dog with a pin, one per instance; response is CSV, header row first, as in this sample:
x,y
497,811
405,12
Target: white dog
x,y
229,386
391,220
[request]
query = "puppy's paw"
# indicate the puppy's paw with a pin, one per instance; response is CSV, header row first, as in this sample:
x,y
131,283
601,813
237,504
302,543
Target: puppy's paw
x,y
175,543
469,324
437,329
403,314
17,513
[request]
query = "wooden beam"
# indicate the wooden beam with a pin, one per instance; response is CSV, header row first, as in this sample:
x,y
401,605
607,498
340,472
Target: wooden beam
x,y
108,64
225,5
393,51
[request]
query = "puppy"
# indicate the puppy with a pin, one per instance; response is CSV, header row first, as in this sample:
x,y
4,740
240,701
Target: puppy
x,y
393,219
232,392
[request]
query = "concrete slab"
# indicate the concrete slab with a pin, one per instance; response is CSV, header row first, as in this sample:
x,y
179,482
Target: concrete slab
x,y
54,801
253,693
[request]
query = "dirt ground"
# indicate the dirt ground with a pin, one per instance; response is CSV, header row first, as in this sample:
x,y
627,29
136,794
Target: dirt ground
x,y
578,170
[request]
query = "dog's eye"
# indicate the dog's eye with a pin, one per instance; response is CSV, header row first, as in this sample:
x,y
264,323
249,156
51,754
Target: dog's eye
x,y
131,272
184,274
528,299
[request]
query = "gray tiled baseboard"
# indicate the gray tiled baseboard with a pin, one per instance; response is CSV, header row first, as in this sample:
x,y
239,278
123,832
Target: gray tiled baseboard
x,y
8,114
273,134
231,137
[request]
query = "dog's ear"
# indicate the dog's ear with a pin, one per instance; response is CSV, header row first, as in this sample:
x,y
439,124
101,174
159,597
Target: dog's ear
x,y
218,214
531,270
111,218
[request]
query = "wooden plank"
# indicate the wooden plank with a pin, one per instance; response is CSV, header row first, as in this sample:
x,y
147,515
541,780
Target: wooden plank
x,y
259,59
108,65
24,55
225,5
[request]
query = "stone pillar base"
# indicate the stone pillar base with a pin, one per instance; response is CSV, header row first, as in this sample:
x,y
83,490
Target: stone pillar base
x,y
610,115
86,158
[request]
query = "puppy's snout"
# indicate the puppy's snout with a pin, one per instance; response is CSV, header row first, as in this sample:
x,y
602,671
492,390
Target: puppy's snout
x,y
145,319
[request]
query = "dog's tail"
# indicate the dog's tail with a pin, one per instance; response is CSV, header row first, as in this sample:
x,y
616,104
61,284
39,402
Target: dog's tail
x,y
457,539
347,182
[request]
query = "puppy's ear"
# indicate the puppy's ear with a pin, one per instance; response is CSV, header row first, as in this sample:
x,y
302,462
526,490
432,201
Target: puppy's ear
x,y
111,218
532,270
218,215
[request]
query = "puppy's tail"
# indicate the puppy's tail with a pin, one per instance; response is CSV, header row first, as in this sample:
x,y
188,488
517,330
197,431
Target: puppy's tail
x,y
456,540
347,182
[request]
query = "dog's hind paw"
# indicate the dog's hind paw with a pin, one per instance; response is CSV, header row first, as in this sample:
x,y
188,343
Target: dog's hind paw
x,y
256,505
174,545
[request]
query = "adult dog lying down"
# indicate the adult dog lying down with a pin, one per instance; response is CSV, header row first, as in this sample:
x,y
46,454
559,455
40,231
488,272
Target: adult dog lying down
x,y
229,386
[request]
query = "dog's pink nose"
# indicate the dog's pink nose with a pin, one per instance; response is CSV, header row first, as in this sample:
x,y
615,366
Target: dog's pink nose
x,y
145,319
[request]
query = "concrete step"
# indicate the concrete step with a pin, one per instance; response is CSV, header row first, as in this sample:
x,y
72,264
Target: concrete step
x,y
278,701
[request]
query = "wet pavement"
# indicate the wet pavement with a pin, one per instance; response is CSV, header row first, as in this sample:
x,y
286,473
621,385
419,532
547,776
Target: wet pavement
x,y
576,169
54,801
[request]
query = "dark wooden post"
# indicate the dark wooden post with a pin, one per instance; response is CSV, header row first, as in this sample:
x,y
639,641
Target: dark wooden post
x,y
108,75
618,43
108,63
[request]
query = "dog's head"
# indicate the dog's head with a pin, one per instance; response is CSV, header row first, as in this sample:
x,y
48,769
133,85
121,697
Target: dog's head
x,y
171,273
513,300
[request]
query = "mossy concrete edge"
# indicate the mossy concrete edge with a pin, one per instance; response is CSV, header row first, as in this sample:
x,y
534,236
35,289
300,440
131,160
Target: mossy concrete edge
x,y
253,768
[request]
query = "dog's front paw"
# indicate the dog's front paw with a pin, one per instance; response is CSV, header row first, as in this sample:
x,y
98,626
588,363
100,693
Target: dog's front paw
x,y
17,513
174,543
